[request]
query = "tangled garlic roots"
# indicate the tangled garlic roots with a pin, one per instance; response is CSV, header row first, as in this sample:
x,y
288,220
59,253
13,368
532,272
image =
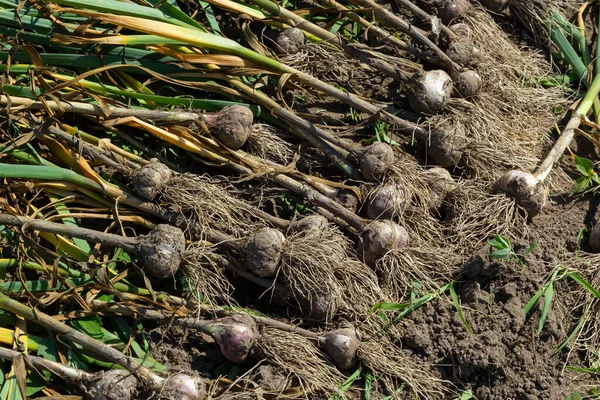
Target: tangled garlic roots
x,y
299,358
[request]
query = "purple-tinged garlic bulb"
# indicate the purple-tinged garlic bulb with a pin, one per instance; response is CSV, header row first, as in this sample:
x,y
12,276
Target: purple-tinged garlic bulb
x,y
380,237
183,387
385,201
449,10
235,336
231,126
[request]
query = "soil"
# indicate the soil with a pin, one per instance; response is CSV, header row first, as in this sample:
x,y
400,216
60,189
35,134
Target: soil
x,y
184,350
504,357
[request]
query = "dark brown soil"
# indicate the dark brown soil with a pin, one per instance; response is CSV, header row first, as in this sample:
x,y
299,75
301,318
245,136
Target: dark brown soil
x,y
504,357
186,351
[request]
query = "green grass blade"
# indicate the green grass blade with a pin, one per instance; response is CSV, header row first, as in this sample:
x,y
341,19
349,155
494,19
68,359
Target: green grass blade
x,y
369,378
458,307
548,297
385,306
421,301
534,300
501,239
466,395
577,278
577,328
585,370
346,385
495,243
501,253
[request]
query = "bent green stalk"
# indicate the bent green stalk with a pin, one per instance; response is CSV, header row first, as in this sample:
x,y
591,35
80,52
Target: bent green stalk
x,y
56,174
217,43
84,278
44,173
89,344
569,132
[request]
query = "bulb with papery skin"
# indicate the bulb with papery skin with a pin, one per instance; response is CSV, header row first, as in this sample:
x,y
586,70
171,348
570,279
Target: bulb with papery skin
x,y
461,51
116,384
235,336
527,190
348,198
462,30
231,126
445,148
311,223
290,41
161,251
342,346
385,201
440,183
429,92
150,178
263,251
375,160
380,237
321,306
449,10
467,84
183,387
